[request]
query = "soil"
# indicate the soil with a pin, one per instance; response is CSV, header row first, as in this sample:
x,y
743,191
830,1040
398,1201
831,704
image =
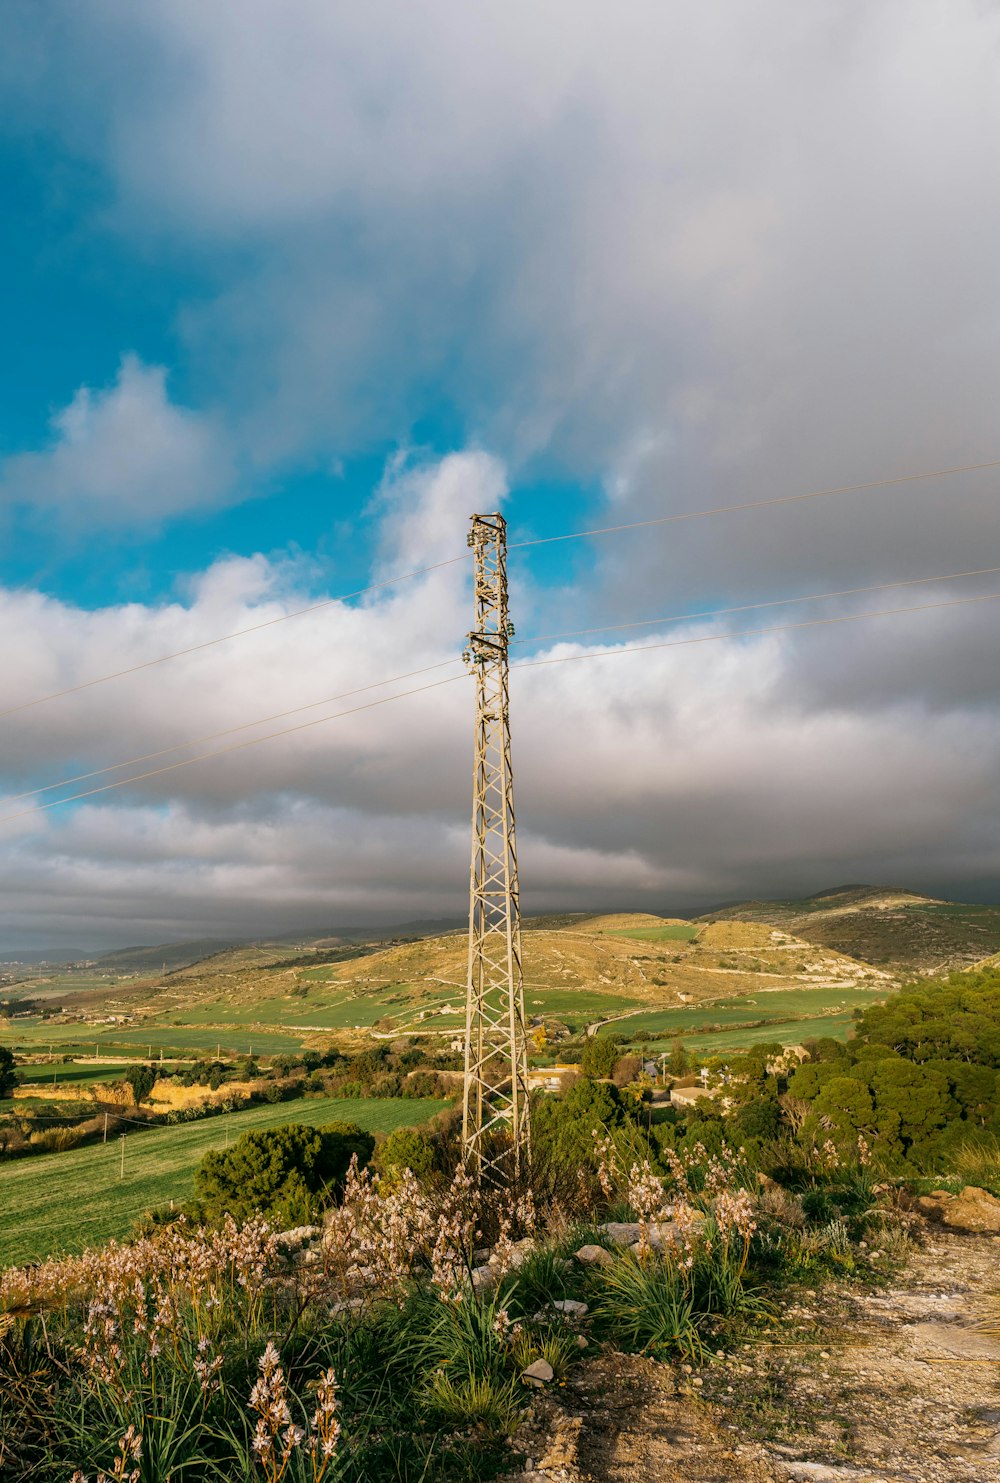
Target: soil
x,y
898,1385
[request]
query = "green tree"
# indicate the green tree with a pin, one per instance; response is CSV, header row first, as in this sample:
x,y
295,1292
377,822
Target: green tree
x,y
141,1079
680,1061
759,1118
406,1148
8,1072
600,1054
287,1174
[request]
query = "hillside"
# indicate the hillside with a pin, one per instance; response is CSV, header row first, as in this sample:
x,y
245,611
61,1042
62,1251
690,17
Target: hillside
x,y
642,976
165,957
897,930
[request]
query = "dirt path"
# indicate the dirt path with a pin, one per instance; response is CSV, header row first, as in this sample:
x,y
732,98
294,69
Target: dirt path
x,y
898,1386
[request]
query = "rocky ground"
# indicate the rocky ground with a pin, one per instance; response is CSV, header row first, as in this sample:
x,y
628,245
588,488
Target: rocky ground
x,y
893,1385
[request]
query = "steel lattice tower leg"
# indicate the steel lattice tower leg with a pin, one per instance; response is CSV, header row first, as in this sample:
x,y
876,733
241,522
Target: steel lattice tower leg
x,y
495,1125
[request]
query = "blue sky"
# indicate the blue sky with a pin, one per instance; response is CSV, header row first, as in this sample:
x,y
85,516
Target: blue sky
x,y
289,291
77,296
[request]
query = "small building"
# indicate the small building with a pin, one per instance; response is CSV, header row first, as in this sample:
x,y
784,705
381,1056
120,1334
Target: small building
x,y
688,1096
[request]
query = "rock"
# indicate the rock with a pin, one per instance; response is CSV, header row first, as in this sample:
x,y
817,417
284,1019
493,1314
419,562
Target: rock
x,y
592,1256
300,1236
539,1373
570,1307
483,1279
974,1210
347,1305
621,1232
522,1250
818,1472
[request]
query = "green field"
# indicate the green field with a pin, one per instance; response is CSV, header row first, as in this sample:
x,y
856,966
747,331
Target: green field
x,y
672,932
66,1201
576,1007
794,1013
180,1040
793,1032
59,1075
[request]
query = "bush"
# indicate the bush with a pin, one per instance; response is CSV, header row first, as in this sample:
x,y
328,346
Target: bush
x,y
599,1056
406,1148
288,1174
647,1307
8,1072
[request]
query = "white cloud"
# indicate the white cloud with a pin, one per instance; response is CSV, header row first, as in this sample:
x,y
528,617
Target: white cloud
x,y
665,778
124,455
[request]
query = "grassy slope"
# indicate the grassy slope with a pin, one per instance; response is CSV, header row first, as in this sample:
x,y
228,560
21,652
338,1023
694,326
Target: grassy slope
x,y
66,1201
912,933
582,971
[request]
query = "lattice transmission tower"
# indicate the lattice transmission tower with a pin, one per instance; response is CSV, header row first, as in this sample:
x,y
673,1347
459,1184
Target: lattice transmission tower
x,y
495,1120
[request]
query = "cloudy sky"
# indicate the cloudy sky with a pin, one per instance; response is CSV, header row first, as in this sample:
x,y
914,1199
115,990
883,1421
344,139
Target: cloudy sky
x,y
290,288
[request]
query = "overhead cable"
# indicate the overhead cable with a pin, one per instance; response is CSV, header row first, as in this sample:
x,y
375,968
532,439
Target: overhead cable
x,y
236,633
757,504
522,664
573,535
197,741
749,607
194,741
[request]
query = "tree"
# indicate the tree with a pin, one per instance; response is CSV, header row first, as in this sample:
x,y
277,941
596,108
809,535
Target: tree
x,y
287,1174
141,1079
759,1118
406,1148
8,1072
680,1061
599,1055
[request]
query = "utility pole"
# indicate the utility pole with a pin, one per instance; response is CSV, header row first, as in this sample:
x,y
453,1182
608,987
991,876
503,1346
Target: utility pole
x,y
495,1116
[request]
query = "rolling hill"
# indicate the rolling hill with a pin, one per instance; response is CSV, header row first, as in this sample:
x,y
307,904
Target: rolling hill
x,y
901,931
638,974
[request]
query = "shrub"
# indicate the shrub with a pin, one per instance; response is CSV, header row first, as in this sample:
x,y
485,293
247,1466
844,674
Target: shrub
x,y
647,1307
599,1055
406,1148
8,1072
287,1174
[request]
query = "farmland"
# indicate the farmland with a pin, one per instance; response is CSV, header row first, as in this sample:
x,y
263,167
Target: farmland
x,y
657,975
66,1201
787,1015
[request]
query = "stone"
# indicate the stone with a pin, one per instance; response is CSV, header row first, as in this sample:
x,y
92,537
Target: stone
x,y
570,1307
621,1232
347,1305
483,1279
521,1250
594,1256
974,1210
539,1373
819,1472
300,1236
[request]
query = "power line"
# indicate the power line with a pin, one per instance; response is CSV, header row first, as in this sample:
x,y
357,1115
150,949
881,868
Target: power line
x,y
749,607
758,504
236,747
195,741
522,664
442,664
740,633
224,637
465,556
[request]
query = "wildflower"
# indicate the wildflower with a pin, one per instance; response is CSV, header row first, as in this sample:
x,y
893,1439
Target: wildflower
x,y
325,1426
275,1437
